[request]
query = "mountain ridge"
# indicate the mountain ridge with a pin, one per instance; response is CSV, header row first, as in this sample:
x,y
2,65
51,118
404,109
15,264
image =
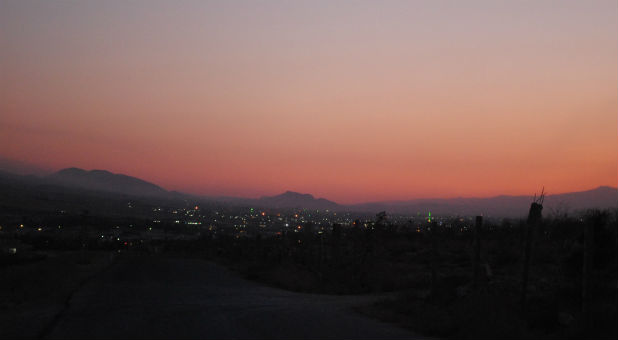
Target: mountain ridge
x,y
602,197
104,180
292,199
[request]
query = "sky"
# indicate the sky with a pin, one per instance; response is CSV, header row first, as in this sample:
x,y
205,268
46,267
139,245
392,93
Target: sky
x,y
353,101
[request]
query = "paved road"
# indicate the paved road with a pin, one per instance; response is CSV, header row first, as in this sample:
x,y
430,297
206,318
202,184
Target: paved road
x,y
178,298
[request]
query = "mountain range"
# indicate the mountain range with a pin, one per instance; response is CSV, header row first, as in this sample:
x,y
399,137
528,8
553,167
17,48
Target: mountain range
x,y
102,180
291,199
603,197
500,206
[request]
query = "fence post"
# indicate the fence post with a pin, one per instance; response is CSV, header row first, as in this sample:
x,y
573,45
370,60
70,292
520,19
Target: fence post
x,y
534,217
477,250
587,269
596,220
434,258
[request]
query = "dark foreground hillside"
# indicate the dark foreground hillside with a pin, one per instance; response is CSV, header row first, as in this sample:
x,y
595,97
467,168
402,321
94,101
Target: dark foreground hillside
x,y
433,274
138,295
459,277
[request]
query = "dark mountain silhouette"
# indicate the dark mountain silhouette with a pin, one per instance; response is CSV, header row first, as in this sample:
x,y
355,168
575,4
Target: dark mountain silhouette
x,y
28,194
503,206
291,199
103,180
499,206
601,197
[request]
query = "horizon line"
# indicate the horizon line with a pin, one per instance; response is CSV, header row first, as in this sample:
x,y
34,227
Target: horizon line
x,y
45,171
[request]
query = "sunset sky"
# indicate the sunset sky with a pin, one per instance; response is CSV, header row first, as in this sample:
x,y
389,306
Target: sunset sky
x,y
348,100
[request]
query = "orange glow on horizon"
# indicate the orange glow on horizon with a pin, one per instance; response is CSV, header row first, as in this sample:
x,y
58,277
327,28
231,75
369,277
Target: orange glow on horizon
x,y
355,102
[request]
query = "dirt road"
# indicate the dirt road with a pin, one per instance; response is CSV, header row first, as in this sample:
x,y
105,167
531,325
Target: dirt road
x,y
149,297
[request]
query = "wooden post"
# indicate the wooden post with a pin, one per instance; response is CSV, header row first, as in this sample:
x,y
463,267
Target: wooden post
x,y
597,220
434,258
587,269
335,244
321,259
534,217
477,250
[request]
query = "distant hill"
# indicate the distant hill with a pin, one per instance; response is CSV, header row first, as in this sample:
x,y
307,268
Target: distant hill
x,y
499,206
291,199
601,197
503,206
103,180
22,195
